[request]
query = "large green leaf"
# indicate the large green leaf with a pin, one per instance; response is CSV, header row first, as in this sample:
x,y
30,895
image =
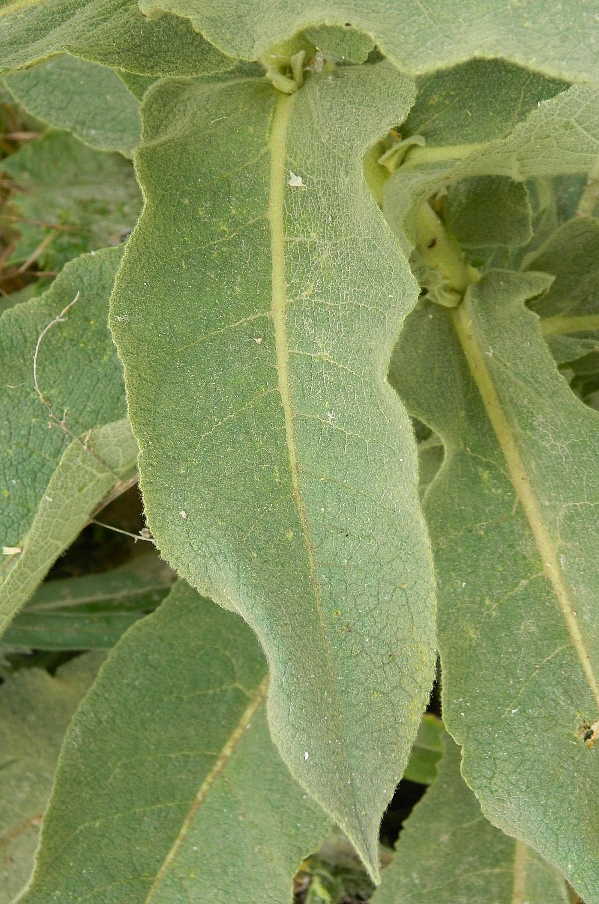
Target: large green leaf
x,y
112,32
80,380
93,611
450,854
254,313
87,99
69,199
35,710
169,784
512,515
558,38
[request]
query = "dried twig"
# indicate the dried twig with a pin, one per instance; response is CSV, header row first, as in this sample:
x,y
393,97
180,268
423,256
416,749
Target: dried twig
x,y
144,533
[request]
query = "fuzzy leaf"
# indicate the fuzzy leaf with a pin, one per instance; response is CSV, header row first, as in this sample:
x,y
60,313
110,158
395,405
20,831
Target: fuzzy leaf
x,y
560,136
84,98
169,783
35,710
512,516
90,612
37,463
253,313
90,469
477,101
426,752
450,854
488,210
70,199
557,38
112,32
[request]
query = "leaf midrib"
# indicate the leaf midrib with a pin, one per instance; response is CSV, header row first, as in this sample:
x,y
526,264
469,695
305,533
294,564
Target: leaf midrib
x,y
276,219
463,318
218,768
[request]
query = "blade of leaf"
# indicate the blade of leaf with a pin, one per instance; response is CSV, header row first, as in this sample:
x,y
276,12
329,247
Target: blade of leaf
x,y
36,463
169,783
35,710
560,136
112,32
449,853
90,612
78,198
86,474
426,752
512,522
253,313
89,100
453,106
557,38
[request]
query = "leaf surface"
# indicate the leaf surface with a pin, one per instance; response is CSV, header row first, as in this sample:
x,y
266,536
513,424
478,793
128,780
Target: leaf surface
x,y
449,853
90,612
90,469
69,199
426,752
557,38
35,710
169,784
41,508
512,515
253,313
84,98
559,137
112,32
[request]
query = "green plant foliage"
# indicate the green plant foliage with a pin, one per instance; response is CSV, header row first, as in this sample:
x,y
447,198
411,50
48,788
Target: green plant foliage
x,y
286,345
70,199
90,612
89,100
54,475
449,853
426,752
558,38
421,177
517,485
177,790
111,32
35,710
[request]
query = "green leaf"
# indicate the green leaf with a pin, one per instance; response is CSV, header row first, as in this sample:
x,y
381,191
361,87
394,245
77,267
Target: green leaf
x,y
93,611
72,199
136,84
253,314
512,520
169,783
560,136
449,853
570,320
89,100
557,38
35,710
102,461
426,752
477,101
488,210
112,32
80,380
